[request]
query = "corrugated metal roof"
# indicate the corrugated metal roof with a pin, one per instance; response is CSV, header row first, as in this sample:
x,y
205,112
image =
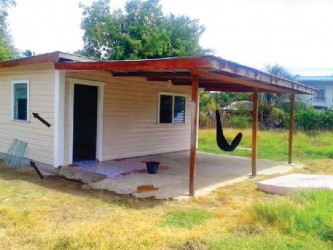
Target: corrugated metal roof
x,y
214,73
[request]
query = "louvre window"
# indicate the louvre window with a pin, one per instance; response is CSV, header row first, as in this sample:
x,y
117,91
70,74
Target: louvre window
x,y
20,101
172,108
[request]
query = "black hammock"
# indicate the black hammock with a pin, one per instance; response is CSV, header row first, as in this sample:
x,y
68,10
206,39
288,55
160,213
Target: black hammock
x,y
220,139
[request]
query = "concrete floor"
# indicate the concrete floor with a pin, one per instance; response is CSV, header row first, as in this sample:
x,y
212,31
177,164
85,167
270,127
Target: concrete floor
x,y
212,171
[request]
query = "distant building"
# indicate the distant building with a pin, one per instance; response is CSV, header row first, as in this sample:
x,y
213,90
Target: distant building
x,y
324,86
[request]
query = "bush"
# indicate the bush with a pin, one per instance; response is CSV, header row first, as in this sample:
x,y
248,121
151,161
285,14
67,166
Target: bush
x,y
203,118
312,119
239,122
308,119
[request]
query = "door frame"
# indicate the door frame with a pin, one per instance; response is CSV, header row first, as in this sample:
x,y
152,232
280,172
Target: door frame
x,y
100,101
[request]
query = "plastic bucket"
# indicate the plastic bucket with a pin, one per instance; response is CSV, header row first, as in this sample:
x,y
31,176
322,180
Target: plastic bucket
x,y
152,167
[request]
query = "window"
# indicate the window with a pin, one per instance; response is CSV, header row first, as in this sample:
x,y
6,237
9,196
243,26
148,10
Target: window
x,y
172,108
20,104
320,97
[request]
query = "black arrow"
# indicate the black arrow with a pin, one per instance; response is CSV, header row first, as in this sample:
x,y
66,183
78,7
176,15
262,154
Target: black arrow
x,y
36,115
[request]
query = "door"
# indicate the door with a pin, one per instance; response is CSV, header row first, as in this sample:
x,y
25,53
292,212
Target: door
x,y
84,122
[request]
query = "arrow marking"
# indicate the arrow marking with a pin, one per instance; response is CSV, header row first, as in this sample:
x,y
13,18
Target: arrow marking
x,y
36,115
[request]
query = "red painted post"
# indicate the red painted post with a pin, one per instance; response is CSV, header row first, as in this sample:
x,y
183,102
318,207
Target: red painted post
x,y
194,128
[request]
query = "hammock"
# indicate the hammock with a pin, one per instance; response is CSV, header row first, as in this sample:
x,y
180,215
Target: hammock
x,y
220,139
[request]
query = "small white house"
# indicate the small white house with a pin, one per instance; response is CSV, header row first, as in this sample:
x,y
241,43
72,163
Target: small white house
x,y
72,109
324,87
93,115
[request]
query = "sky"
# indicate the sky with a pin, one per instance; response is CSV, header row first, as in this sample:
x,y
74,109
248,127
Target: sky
x,y
296,34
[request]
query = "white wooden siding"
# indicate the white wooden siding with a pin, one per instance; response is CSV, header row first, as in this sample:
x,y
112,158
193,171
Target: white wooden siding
x,y
37,135
130,117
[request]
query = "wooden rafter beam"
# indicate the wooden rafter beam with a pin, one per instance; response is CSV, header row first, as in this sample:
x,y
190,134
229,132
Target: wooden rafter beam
x,y
232,80
150,74
153,64
226,89
236,89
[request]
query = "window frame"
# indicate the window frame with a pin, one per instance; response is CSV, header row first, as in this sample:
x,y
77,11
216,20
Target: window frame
x,y
15,82
317,99
173,95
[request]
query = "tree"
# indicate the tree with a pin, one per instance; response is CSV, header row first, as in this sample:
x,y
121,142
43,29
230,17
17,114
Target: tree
x,y
272,105
142,31
7,49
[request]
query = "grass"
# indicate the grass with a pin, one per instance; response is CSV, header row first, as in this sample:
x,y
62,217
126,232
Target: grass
x,y
55,213
273,145
185,219
307,213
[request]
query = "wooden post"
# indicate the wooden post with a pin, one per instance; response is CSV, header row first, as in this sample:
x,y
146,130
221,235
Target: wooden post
x,y
254,132
291,128
194,128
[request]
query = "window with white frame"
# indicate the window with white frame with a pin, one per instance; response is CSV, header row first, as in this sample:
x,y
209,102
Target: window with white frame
x,y
172,108
320,97
20,100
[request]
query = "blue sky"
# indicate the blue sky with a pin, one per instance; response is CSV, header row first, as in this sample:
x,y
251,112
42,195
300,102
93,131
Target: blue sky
x,y
296,34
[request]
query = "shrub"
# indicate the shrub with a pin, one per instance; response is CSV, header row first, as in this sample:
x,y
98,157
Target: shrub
x,y
203,118
308,120
312,119
239,122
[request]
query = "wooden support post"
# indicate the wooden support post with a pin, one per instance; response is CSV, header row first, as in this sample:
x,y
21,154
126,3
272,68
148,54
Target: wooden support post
x,y
194,128
291,128
254,132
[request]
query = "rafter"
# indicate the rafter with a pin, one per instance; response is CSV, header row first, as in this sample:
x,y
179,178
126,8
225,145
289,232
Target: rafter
x,y
148,74
231,80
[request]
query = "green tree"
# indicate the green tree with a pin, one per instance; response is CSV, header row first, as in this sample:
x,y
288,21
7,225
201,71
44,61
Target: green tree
x,y
275,106
141,31
7,49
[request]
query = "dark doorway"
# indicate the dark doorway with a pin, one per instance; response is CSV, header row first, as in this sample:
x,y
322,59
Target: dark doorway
x,y
84,123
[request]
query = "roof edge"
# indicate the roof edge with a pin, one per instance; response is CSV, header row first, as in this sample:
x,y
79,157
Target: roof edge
x,y
51,57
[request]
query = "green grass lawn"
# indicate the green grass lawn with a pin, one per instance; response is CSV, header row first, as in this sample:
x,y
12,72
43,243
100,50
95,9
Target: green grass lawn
x,y
55,213
273,145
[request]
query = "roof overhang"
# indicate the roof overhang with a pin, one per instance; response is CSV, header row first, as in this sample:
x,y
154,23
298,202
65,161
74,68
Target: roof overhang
x,y
53,57
215,74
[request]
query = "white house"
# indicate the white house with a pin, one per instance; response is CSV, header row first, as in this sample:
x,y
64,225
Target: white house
x,y
103,110
324,87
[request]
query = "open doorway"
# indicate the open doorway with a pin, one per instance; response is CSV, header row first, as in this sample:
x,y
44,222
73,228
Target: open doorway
x,y
85,112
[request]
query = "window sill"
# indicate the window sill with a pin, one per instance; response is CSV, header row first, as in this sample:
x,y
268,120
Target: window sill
x,y
171,124
21,121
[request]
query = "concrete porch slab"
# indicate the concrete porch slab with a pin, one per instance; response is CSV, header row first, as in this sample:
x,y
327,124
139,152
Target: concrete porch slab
x,y
213,171
289,183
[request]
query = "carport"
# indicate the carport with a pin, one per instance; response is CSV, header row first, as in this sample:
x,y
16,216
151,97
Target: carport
x,y
203,73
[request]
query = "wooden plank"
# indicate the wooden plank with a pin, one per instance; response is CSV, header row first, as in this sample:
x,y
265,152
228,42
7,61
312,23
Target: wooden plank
x,y
161,74
154,64
194,128
233,80
146,188
50,57
233,89
254,132
291,129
